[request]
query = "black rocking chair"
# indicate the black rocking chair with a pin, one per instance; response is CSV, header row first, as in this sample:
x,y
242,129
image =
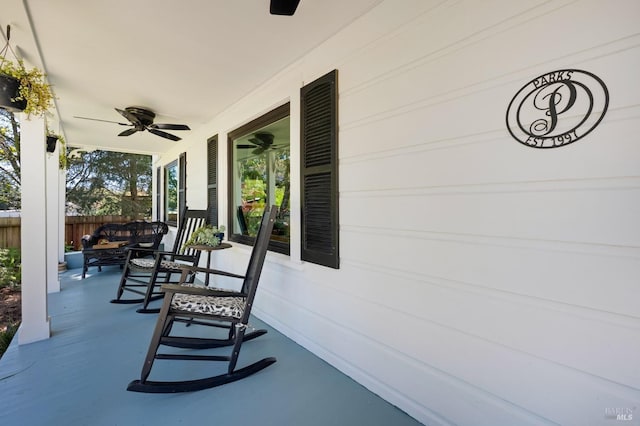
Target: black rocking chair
x,y
144,275
199,305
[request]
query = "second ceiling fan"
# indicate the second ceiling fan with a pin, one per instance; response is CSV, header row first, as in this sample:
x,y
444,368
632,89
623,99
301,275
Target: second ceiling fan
x,y
262,141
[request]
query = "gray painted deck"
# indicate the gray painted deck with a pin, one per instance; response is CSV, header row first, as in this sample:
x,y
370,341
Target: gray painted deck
x,y
79,375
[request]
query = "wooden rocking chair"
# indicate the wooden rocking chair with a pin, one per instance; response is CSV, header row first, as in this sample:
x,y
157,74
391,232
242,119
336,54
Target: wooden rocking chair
x,y
208,306
144,275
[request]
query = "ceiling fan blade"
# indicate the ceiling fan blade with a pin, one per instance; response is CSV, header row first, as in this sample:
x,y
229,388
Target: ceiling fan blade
x,y
132,118
106,121
163,134
128,132
169,126
283,7
245,146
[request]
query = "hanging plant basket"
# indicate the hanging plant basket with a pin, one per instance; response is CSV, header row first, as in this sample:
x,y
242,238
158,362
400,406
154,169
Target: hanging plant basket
x,y
51,143
22,89
9,92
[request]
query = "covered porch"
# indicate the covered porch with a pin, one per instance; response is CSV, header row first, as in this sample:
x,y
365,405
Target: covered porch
x,y
479,278
80,374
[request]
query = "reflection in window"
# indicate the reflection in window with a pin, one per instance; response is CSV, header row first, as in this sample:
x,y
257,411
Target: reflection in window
x,y
171,193
261,172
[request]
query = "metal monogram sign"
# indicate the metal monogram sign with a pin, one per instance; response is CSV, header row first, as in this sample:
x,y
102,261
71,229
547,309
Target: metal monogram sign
x,y
557,108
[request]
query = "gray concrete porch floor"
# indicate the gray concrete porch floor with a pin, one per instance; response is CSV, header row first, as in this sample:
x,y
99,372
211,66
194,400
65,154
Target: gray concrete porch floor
x,y
79,376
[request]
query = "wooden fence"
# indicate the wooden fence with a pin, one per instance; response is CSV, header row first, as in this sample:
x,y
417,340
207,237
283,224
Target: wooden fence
x,y
9,232
75,227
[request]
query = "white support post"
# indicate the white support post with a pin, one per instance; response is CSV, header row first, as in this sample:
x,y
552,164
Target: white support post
x,y
35,320
52,186
62,213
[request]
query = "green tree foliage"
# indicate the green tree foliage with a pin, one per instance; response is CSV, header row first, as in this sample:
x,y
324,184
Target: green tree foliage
x,y
9,161
10,268
104,182
98,182
6,336
255,174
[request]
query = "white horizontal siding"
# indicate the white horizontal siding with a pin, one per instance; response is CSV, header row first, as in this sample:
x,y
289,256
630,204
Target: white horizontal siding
x,y
510,271
482,282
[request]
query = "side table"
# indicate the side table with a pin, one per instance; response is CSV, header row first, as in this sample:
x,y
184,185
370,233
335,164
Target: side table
x,y
209,249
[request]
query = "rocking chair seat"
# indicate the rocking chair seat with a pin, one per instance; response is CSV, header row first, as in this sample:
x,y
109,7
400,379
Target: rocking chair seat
x,y
149,263
227,307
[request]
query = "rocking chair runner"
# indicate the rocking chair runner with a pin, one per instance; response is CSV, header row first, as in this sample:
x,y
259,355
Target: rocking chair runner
x,y
143,275
208,306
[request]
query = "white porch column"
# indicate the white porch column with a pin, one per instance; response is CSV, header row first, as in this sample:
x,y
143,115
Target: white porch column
x,y
53,222
35,320
62,201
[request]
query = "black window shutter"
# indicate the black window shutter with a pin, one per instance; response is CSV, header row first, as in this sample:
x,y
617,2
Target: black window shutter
x,y
158,193
319,171
212,180
182,183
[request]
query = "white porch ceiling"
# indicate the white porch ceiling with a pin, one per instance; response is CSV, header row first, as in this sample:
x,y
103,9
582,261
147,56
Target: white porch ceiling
x,y
185,60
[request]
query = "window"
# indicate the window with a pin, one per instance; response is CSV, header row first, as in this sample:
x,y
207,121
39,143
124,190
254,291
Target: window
x,y
171,193
212,180
319,171
175,189
259,177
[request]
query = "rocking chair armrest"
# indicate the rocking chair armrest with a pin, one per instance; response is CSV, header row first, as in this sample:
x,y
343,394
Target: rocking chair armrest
x,y
200,291
187,257
163,253
212,271
136,248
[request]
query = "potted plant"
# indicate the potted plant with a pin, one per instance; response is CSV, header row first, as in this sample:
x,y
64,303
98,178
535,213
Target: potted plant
x,y
207,235
23,89
62,159
52,138
10,93
51,143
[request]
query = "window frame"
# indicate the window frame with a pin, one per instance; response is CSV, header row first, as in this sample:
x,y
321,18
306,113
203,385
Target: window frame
x,y
274,115
167,167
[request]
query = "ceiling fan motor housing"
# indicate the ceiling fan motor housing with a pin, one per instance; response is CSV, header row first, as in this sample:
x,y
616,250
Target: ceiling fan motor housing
x,y
145,116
